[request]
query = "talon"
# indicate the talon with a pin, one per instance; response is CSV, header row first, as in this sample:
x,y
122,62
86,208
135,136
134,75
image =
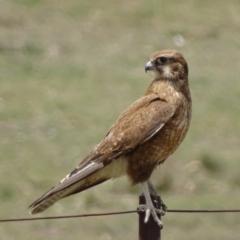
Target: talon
x,y
153,211
147,215
149,208
163,209
160,224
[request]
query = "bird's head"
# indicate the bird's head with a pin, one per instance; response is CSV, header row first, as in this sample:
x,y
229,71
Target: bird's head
x,y
167,65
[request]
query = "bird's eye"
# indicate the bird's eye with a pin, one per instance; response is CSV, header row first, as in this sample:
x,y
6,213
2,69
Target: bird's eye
x,y
162,60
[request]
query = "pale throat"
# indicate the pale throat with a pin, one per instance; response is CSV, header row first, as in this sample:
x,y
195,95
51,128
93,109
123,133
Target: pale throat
x,y
168,73
166,89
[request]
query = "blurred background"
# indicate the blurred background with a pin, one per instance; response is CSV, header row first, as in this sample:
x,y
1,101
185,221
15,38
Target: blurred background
x,y
69,68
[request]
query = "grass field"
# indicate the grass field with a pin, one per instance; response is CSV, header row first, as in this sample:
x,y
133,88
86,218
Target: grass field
x,y
69,68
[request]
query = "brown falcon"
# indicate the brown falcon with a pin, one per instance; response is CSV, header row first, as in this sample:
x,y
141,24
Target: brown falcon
x,y
144,135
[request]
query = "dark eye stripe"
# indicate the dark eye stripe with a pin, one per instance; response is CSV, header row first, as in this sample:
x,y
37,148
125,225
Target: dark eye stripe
x,y
161,60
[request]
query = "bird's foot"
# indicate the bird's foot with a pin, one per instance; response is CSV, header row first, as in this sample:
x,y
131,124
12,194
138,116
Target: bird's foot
x,y
163,209
150,210
153,192
149,207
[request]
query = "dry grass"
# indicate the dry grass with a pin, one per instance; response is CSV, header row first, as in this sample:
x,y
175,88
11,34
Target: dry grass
x,y
69,68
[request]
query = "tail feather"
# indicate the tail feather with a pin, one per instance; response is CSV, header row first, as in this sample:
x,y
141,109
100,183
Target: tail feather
x,y
78,181
46,200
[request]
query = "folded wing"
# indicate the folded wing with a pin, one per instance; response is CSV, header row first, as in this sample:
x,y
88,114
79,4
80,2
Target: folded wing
x,y
142,120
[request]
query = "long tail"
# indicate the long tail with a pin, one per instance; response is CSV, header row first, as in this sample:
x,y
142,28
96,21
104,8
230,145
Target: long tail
x,y
82,178
49,199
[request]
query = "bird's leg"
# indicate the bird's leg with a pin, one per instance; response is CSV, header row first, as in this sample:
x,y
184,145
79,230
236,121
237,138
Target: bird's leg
x,y
150,209
152,189
153,192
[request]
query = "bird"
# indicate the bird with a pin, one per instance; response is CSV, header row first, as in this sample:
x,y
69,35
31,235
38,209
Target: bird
x,y
142,138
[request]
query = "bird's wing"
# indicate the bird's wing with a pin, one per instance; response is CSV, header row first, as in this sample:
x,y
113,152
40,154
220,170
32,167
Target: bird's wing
x,y
142,120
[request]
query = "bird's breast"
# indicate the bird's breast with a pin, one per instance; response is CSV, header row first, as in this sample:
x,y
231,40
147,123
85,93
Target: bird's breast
x,y
143,159
173,133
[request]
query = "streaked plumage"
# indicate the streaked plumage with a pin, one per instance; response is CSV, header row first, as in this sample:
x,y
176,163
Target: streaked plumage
x,y
143,136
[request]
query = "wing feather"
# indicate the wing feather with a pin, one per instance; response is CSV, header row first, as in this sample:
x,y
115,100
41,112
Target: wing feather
x,y
140,122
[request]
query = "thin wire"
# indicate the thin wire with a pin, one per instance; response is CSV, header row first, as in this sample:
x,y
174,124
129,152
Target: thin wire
x,y
205,211
114,213
67,216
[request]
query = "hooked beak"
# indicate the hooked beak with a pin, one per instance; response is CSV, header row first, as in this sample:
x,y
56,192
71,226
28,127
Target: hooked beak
x,y
149,66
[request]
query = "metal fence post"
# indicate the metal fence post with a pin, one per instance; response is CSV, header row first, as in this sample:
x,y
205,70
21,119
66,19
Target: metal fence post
x,y
150,230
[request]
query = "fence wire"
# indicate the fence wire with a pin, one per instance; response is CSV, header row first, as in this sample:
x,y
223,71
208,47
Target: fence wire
x,y
115,213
